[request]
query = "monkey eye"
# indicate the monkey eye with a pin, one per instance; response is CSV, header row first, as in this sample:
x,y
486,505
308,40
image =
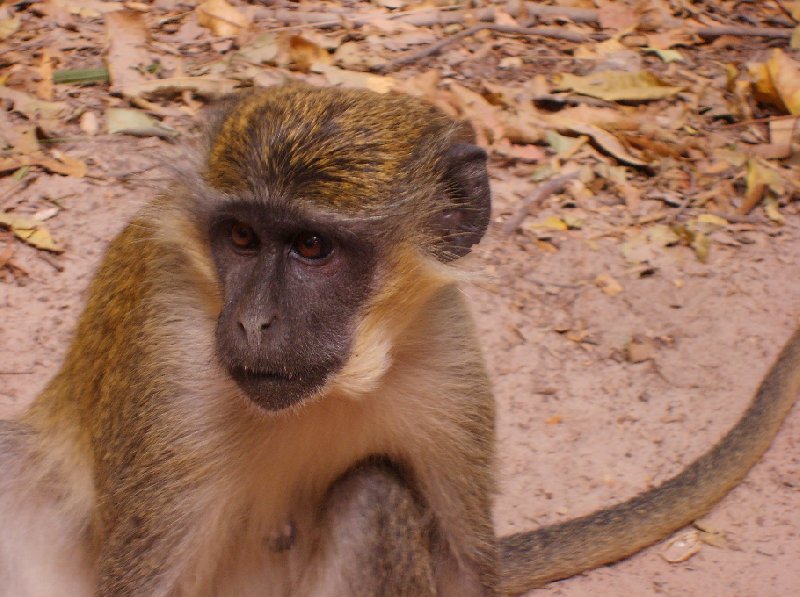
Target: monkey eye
x,y
311,246
243,237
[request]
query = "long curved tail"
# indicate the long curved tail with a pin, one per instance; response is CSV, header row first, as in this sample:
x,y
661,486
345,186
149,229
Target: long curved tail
x,y
531,559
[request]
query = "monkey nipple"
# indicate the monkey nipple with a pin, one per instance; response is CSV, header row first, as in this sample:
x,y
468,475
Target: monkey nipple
x,y
282,538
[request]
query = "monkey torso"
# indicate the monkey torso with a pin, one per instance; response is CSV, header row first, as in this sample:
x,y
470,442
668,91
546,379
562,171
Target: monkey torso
x,y
257,481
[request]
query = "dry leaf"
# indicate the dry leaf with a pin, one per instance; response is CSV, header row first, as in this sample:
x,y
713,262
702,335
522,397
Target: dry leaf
x,y
210,87
346,78
44,88
66,165
612,85
549,223
523,153
785,74
87,9
88,123
221,18
617,15
123,121
760,177
127,56
608,284
603,138
30,231
639,350
777,81
682,547
300,53
31,107
9,26
262,50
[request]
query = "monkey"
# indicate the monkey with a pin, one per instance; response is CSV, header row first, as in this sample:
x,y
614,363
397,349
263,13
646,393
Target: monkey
x,y
276,388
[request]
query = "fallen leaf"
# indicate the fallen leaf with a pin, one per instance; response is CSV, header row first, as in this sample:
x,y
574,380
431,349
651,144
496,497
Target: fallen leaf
x,y
667,56
487,119
550,223
81,75
127,55
681,547
712,219
772,210
210,87
639,350
31,107
300,53
87,9
124,121
617,15
564,146
777,82
785,75
30,231
760,177
66,165
262,50
347,78
221,18
614,85
523,153
9,26
608,284
88,123
701,245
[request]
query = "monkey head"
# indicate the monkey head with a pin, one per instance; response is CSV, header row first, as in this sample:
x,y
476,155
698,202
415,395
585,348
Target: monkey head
x,y
309,194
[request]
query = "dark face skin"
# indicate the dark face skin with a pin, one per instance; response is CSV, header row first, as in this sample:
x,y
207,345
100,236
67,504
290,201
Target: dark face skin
x,y
293,288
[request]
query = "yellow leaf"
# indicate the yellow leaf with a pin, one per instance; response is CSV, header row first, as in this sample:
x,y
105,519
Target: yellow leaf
x,y
221,18
608,284
668,55
347,78
794,43
712,219
701,245
30,231
9,27
772,211
785,75
551,223
614,85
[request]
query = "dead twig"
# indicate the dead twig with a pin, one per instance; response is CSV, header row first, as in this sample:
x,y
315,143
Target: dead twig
x,y
540,193
775,32
437,47
51,260
738,218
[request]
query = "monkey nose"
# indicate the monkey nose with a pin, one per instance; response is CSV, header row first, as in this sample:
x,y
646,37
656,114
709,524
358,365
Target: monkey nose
x,y
255,325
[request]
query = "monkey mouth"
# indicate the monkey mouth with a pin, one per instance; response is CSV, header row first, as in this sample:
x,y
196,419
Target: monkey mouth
x,y
272,390
248,374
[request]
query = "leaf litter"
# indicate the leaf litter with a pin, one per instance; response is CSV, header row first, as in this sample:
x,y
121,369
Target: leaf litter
x,y
664,125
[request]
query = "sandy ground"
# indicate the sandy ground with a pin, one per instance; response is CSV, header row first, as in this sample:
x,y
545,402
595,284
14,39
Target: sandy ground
x,y
580,427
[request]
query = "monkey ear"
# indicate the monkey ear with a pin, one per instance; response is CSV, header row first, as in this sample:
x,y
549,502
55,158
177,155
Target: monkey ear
x,y
463,220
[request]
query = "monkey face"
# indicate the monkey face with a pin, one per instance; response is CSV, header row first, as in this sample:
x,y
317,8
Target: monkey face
x,y
292,288
307,189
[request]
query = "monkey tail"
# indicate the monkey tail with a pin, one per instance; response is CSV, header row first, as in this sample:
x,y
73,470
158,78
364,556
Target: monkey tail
x,y
531,559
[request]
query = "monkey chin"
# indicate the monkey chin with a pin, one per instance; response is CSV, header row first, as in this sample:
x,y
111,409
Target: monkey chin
x,y
275,392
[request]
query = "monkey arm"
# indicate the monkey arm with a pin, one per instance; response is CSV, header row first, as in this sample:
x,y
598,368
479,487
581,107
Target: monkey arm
x,y
453,417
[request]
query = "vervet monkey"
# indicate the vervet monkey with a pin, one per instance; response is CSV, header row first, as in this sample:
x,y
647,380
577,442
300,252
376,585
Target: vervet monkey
x,y
275,388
